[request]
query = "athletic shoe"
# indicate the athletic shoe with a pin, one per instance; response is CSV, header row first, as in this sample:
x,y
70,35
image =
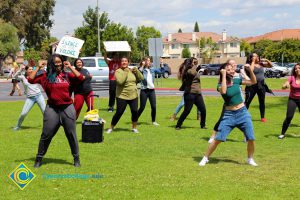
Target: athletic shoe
x,y
110,109
281,136
109,131
38,162
76,162
203,161
16,128
178,128
203,127
252,162
155,123
263,120
134,130
245,139
211,140
173,117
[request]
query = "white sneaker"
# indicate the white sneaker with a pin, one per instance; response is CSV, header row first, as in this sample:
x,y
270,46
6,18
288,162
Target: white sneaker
x,y
252,162
211,140
109,131
134,130
281,136
203,161
16,128
155,123
245,139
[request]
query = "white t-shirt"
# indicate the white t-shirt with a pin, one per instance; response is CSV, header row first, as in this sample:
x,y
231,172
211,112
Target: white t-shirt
x,y
150,84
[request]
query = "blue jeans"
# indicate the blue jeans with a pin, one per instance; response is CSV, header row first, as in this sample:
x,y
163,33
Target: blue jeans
x,y
29,103
180,105
241,119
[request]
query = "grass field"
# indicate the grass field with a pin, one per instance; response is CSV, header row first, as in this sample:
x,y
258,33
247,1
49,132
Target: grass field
x,y
159,162
210,82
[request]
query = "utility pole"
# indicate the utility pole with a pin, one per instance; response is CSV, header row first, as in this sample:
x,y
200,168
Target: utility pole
x,y
99,51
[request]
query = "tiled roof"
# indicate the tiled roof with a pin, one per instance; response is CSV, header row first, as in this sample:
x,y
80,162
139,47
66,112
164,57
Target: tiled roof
x,y
276,35
186,38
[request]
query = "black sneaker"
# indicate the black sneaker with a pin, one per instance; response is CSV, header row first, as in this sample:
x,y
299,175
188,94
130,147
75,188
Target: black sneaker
x,y
38,162
203,127
76,162
110,109
178,128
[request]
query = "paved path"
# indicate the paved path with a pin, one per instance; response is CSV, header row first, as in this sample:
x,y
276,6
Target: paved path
x,y
5,88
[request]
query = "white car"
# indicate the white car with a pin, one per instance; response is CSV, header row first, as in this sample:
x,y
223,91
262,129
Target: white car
x,y
284,70
97,67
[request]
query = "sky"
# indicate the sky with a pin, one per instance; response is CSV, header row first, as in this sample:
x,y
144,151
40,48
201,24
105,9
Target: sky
x,y
240,18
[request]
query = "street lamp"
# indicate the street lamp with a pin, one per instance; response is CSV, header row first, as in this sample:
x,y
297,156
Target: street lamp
x,y
99,51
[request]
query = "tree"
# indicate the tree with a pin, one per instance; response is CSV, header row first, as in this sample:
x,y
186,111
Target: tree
x,y
30,17
246,47
179,30
261,45
89,32
9,42
186,53
143,33
196,27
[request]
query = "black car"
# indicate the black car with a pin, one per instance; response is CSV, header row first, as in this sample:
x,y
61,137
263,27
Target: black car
x,y
213,69
165,71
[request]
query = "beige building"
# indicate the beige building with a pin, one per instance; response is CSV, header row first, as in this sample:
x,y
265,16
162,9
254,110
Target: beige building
x,y
174,43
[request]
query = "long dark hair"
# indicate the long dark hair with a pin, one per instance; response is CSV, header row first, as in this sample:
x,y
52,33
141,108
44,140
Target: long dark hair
x,y
51,68
293,70
76,61
184,67
228,77
249,58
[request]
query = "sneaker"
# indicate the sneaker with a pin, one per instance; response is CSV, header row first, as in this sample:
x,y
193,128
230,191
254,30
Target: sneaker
x,y
203,127
263,120
109,131
173,117
252,162
38,162
245,139
211,140
203,161
178,128
16,128
134,130
281,136
155,123
76,162
110,109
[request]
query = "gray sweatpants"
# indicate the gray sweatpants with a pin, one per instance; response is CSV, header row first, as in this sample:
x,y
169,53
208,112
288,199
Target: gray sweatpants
x,y
54,117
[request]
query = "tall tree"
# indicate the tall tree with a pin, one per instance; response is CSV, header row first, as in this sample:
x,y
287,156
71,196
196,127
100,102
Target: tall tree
x,y
30,17
186,53
9,42
179,30
143,33
89,33
261,45
246,47
196,27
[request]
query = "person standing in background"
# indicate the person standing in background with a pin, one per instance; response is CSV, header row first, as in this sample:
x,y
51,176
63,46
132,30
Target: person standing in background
x,y
113,65
14,80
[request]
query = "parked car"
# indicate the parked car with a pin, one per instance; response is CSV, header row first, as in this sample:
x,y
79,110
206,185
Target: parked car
x,y
273,73
203,69
238,68
97,67
165,71
284,70
290,66
213,69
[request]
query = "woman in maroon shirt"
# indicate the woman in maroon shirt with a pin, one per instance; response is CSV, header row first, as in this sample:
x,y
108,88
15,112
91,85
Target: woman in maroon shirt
x,y
60,109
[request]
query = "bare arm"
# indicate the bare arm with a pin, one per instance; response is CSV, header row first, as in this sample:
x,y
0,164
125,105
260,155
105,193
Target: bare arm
x,y
73,70
286,85
252,80
34,72
223,89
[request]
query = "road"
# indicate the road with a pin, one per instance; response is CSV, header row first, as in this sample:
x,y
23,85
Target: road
x,y
5,88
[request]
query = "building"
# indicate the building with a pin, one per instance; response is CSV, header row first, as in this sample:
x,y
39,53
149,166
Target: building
x,y
276,36
174,43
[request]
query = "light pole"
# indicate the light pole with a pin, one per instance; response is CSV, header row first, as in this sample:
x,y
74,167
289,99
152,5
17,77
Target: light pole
x,y
99,51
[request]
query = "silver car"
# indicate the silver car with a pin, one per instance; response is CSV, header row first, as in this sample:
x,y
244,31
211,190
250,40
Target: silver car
x,y
97,67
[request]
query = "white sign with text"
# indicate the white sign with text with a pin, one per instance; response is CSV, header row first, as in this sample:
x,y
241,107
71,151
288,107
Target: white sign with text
x,y
69,46
117,46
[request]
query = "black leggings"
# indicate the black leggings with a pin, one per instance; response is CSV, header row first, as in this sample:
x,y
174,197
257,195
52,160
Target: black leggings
x,y
189,100
144,95
112,93
261,93
121,106
291,108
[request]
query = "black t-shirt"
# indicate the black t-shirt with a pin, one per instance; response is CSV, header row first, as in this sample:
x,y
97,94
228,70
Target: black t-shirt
x,y
85,86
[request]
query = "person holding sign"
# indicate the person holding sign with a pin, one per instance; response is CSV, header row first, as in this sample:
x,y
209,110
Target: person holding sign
x,y
113,65
83,91
147,89
127,93
60,109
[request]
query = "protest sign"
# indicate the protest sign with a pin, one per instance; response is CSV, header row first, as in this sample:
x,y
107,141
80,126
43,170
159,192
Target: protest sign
x,y
69,46
117,46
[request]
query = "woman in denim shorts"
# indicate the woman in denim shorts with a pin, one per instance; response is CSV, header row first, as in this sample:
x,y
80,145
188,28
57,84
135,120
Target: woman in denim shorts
x,y
235,113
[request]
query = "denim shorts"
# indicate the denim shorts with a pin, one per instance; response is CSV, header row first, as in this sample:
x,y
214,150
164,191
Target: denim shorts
x,y
241,119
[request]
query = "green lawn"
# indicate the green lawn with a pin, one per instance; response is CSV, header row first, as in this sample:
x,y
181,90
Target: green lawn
x,y
209,82
158,163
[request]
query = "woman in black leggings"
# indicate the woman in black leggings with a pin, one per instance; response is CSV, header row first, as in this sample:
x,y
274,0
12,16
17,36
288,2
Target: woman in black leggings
x,y
257,65
192,93
294,98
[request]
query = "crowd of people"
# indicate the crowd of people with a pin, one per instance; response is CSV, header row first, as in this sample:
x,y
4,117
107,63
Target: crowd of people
x,y
60,80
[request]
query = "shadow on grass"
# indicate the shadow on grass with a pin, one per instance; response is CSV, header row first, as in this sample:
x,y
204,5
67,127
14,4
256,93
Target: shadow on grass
x,y
182,128
48,160
287,136
216,160
140,123
28,127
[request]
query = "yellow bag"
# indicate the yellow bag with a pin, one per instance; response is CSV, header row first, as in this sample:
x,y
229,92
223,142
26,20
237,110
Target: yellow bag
x,y
91,115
